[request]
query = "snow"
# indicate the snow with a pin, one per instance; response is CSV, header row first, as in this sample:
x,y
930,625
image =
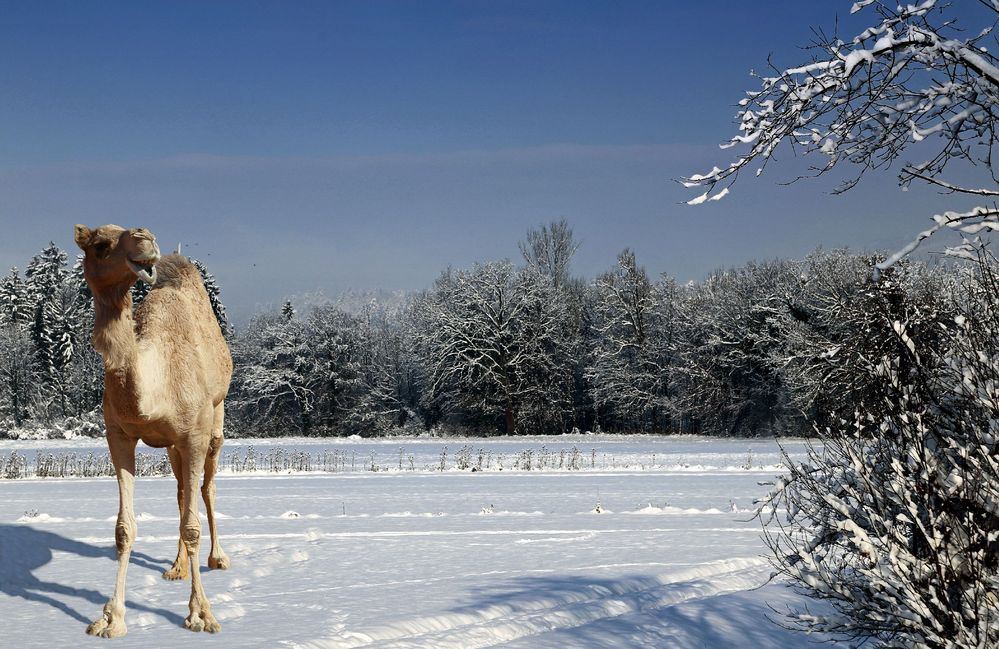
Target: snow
x,y
422,557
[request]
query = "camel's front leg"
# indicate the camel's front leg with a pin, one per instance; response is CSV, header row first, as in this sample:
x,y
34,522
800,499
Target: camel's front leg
x,y
193,461
111,624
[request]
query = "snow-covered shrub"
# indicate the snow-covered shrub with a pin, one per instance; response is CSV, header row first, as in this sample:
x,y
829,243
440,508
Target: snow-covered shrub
x,y
894,517
14,466
839,323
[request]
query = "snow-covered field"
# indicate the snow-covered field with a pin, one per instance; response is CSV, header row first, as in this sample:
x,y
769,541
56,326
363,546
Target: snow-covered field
x,y
411,556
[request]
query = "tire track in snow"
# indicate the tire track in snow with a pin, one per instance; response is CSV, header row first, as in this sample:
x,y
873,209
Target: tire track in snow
x,y
529,612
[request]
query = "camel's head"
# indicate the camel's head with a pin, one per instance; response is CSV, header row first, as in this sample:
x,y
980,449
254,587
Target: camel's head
x,y
115,256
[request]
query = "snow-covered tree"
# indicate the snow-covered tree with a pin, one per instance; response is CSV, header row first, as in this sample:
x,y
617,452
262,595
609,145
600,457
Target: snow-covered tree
x,y
731,336
824,312
270,392
15,305
920,79
336,359
54,334
393,373
214,297
549,250
495,346
331,373
633,352
86,374
839,319
139,292
46,271
16,373
16,352
893,518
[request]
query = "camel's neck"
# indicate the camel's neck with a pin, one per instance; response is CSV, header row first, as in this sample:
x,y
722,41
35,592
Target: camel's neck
x,y
114,329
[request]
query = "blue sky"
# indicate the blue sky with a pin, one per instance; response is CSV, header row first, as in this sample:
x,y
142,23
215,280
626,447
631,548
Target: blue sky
x,y
297,146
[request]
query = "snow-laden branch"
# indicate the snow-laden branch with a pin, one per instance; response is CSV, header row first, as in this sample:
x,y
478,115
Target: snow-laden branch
x,y
950,187
972,222
913,78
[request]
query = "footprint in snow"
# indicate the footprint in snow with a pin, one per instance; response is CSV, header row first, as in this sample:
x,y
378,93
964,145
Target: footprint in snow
x,y
230,612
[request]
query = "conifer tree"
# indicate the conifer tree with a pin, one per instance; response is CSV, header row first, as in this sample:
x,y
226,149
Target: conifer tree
x,y
14,305
214,296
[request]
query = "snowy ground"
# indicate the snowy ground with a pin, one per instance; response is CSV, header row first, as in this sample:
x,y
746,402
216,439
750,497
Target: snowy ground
x,y
421,558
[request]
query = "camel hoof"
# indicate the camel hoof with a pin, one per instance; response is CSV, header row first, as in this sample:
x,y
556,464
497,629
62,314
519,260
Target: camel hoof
x,y
175,574
218,562
202,622
104,629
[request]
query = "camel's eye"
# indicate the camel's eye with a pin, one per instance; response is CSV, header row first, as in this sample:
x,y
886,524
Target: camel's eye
x,y
102,249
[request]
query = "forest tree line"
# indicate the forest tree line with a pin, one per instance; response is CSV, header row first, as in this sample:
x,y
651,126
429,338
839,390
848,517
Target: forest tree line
x,y
774,347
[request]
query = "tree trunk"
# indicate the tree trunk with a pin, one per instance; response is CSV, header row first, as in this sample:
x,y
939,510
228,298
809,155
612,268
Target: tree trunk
x,y
511,420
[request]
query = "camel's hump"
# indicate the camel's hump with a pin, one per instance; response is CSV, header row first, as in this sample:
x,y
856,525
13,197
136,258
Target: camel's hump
x,y
172,269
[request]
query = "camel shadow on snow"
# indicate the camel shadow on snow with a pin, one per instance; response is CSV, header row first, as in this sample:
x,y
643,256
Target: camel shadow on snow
x,y
24,549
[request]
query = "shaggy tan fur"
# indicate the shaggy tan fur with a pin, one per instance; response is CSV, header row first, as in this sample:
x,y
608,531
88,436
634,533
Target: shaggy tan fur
x,y
166,373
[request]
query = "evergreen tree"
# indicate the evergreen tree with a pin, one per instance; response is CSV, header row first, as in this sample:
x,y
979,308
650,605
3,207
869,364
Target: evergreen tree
x,y
212,287
86,374
16,375
16,364
50,330
46,271
14,305
270,392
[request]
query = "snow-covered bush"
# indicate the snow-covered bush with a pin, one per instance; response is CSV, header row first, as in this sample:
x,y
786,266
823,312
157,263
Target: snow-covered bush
x,y
838,323
894,517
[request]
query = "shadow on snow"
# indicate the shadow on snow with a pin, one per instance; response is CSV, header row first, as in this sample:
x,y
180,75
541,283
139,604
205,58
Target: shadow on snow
x,y
588,611
24,549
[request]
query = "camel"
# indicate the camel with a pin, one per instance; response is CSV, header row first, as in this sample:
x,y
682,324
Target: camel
x,y
166,373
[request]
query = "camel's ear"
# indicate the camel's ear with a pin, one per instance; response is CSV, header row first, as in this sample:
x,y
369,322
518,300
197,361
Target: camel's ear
x,y
82,235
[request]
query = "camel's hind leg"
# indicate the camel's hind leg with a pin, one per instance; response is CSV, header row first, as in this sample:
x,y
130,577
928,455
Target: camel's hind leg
x,y
193,455
111,624
179,568
217,559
